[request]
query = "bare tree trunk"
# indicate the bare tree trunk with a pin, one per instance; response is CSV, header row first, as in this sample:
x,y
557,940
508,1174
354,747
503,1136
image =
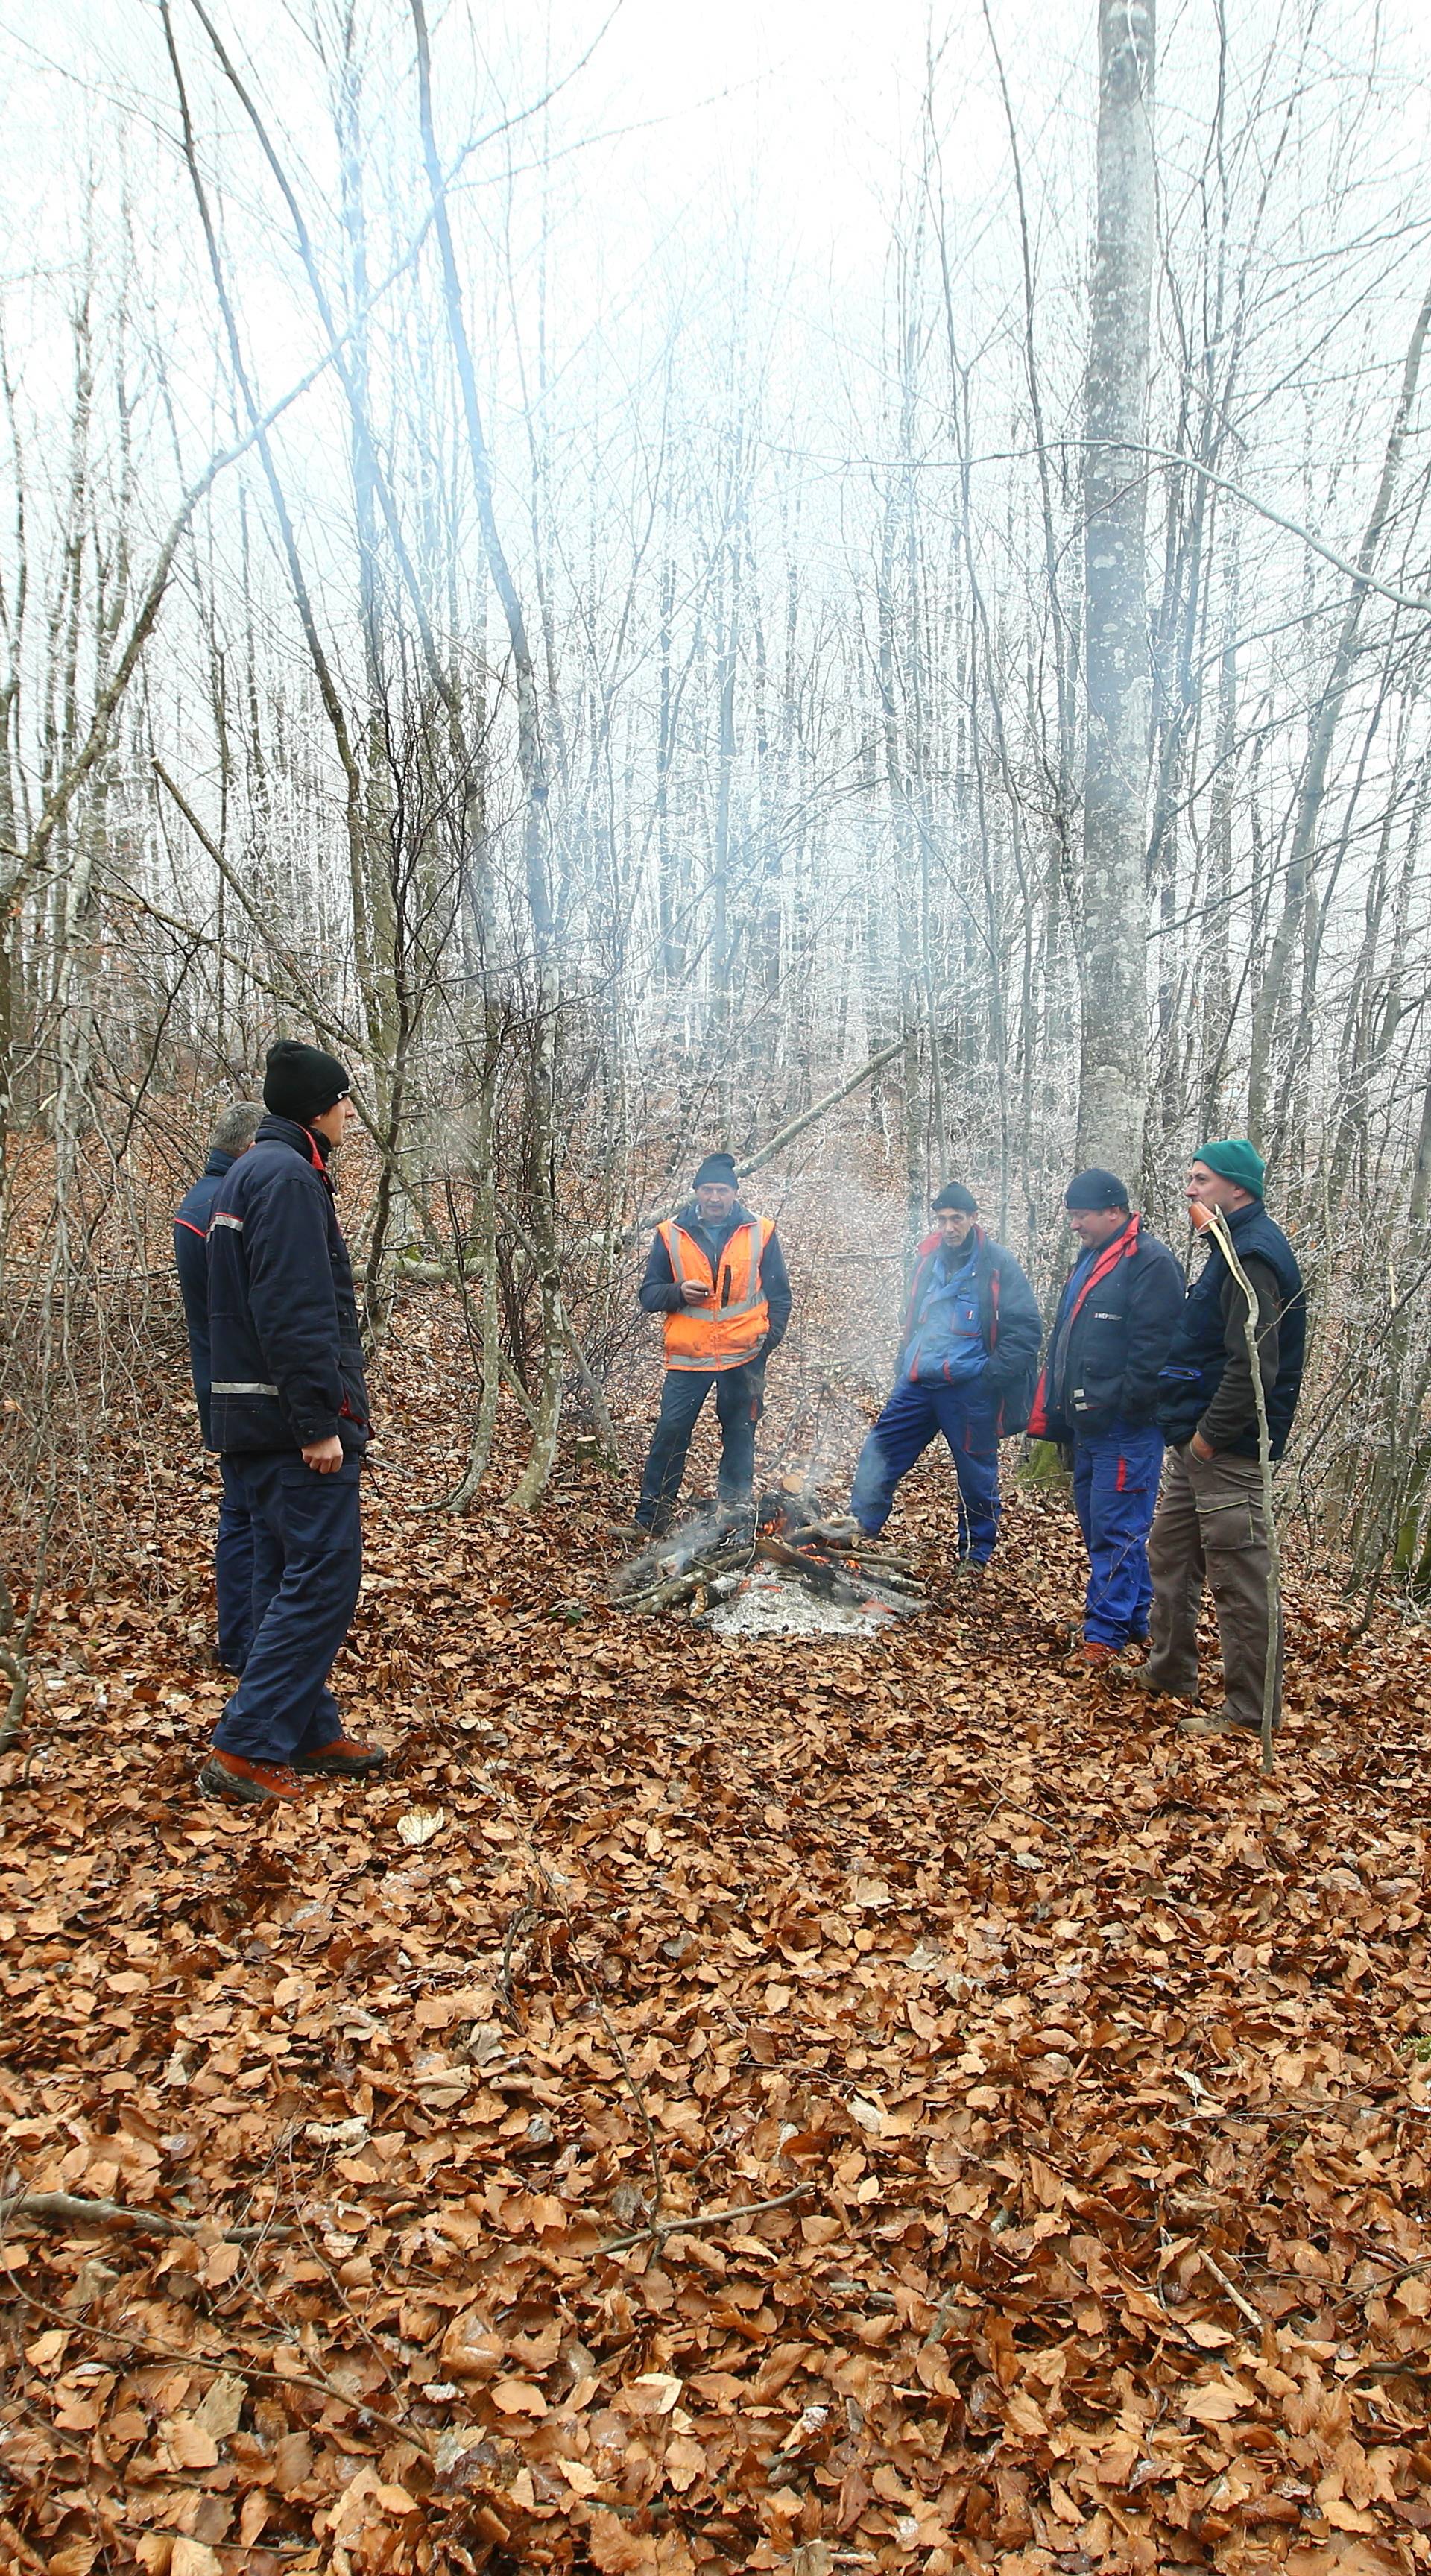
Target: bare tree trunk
x,y
1113,943
1276,981
531,759
723,936
488,1352
1215,981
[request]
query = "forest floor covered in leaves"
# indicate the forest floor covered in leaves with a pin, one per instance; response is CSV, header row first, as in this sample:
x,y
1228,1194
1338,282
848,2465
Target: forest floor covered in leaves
x,y
752,2104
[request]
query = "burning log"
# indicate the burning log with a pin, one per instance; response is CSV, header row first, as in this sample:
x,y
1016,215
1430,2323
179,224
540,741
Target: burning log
x,y
848,1583
710,1561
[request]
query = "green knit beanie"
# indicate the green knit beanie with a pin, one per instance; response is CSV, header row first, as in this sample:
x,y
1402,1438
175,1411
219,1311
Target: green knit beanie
x,y
1235,1158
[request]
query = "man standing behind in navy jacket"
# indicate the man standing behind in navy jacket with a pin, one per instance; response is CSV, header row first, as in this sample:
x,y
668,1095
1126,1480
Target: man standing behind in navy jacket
x,y
234,1132
1099,1391
289,1411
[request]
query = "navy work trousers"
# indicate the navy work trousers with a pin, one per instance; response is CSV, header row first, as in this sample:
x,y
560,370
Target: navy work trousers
x,y
915,1415
1115,1489
740,1401
233,1571
307,1567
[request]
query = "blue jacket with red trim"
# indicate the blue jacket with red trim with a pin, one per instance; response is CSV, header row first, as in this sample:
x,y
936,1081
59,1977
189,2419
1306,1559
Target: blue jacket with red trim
x,y
191,1260
285,1358
1010,1326
1110,1338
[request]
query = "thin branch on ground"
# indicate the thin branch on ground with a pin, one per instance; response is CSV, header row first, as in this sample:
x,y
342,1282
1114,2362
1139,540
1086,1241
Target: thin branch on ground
x,y
64,2210
664,2227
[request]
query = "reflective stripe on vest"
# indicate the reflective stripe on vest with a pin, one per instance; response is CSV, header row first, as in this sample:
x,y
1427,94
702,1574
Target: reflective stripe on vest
x,y
721,1334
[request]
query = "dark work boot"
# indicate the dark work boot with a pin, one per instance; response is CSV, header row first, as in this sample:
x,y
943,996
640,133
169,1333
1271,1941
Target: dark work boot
x,y
342,1759
1143,1679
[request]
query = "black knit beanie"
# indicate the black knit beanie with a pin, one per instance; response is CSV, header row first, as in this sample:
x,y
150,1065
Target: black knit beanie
x,y
1095,1188
954,1195
300,1082
719,1168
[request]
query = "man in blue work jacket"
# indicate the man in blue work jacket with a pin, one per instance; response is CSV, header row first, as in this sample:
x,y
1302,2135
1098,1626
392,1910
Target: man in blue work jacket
x,y
289,1411
1099,1393
966,1367
234,1132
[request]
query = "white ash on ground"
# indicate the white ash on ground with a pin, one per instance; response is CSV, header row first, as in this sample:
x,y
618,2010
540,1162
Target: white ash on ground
x,y
770,1603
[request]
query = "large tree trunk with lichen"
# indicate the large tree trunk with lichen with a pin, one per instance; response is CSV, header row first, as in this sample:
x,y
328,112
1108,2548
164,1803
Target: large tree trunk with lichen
x,y
1113,1069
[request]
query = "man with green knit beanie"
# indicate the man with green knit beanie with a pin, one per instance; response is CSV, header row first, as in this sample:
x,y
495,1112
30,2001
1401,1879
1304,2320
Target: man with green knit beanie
x,y
1209,1524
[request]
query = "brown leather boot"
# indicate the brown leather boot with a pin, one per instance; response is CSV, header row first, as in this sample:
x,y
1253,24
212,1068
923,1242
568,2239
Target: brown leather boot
x,y
342,1759
249,1784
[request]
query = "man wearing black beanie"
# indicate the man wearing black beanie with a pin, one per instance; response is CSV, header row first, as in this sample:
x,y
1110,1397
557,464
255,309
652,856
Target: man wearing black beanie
x,y
717,1276
289,1413
966,1368
301,1082
1099,1394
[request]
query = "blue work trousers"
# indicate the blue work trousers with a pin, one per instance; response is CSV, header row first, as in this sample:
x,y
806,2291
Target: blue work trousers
x,y
233,1571
1115,1488
307,1567
740,1401
913,1417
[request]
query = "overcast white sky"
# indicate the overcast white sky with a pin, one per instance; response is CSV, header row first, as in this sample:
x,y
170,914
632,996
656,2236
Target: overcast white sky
x,y
708,148
804,113
814,98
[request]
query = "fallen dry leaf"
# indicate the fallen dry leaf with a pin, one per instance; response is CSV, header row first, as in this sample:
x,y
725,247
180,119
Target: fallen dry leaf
x,y
684,2462
517,2397
1215,2404
420,1825
194,2558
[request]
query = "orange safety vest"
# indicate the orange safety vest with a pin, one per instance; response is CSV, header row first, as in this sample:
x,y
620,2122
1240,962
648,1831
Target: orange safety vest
x,y
723,1333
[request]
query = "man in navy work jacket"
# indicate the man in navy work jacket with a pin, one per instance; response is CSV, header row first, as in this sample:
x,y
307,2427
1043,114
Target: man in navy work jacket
x,y
966,1368
1210,1523
234,1132
717,1275
1099,1393
289,1411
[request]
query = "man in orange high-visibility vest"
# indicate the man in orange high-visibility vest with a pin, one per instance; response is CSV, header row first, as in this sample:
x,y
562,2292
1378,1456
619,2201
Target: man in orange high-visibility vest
x,y
717,1275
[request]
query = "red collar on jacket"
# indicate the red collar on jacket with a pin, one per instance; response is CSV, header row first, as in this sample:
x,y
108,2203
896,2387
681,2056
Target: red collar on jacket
x,y
932,1242
1119,1247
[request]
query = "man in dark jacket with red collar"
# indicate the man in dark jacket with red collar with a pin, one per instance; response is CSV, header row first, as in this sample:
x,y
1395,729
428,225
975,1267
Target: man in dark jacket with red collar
x,y
1099,1393
289,1410
966,1368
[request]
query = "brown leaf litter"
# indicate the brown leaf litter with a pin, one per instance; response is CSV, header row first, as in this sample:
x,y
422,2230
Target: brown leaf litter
x,y
765,2103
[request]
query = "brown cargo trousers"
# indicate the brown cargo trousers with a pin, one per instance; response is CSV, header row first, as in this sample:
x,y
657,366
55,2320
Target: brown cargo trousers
x,y
1209,1526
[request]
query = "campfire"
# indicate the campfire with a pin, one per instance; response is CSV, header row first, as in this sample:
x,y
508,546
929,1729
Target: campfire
x,y
776,1566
